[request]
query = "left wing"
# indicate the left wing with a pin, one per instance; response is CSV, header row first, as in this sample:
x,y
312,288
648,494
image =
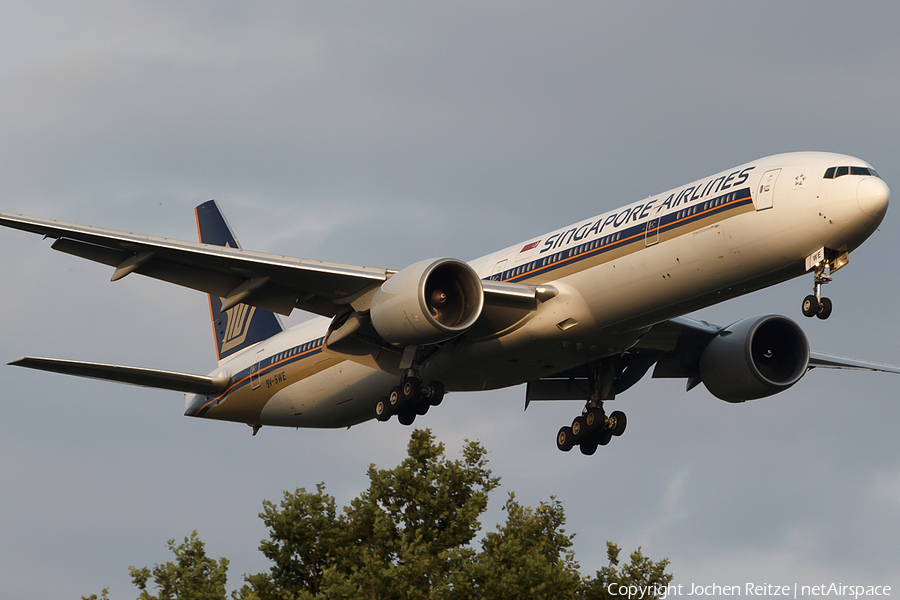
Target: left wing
x,y
683,340
673,348
830,361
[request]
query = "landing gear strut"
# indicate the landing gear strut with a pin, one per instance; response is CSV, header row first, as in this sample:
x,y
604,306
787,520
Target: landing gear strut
x,y
593,427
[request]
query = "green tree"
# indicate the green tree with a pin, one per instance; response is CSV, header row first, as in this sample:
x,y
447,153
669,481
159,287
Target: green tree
x,y
401,538
410,535
304,532
529,556
641,572
193,575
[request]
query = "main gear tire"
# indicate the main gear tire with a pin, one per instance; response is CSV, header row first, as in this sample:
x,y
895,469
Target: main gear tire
x,y
617,423
383,411
594,419
579,429
588,447
406,417
434,391
411,390
564,439
395,399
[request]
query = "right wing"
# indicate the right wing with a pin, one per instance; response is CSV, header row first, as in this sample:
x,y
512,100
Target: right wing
x,y
268,281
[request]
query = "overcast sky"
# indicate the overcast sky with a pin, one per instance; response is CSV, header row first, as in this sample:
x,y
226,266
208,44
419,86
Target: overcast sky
x,y
385,133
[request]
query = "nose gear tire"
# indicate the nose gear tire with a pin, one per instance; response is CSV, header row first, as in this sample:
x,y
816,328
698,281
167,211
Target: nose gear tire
x,y
810,306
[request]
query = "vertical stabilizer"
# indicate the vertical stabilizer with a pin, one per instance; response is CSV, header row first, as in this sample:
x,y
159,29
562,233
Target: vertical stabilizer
x,y
243,325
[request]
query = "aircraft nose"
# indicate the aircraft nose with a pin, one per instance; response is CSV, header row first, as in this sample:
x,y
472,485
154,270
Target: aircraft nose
x,y
872,196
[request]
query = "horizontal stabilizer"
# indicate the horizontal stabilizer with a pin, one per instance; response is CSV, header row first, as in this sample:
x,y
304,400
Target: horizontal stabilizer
x,y
166,380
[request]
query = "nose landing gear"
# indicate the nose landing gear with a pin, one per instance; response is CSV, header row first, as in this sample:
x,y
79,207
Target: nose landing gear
x,y
815,305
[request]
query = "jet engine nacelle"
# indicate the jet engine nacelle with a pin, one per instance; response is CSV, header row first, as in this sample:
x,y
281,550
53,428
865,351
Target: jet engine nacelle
x,y
428,302
754,358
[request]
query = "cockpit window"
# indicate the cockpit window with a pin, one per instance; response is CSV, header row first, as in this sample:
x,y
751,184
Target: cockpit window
x,y
835,172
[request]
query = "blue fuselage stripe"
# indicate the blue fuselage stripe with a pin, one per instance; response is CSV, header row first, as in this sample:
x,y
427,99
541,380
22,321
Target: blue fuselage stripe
x,y
258,370
636,234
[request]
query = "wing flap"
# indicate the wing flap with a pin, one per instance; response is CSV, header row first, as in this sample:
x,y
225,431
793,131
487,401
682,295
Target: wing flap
x,y
153,378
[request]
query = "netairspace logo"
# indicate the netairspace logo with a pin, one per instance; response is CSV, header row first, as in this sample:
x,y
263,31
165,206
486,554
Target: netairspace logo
x,y
638,592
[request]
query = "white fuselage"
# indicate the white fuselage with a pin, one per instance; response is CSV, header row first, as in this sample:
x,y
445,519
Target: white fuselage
x,y
616,274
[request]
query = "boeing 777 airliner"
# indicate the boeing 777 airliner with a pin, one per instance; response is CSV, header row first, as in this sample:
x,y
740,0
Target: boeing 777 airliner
x,y
578,313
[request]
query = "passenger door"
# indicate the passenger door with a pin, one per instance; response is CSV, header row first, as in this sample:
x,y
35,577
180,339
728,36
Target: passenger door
x,y
766,190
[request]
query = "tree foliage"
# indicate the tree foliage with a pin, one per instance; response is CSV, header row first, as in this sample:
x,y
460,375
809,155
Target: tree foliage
x,y
193,575
410,536
640,572
529,556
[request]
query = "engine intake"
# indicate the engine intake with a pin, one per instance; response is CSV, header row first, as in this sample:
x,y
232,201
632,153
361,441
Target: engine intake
x,y
754,358
428,302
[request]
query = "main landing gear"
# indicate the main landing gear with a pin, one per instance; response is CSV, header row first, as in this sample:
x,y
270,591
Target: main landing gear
x,y
409,399
594,428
